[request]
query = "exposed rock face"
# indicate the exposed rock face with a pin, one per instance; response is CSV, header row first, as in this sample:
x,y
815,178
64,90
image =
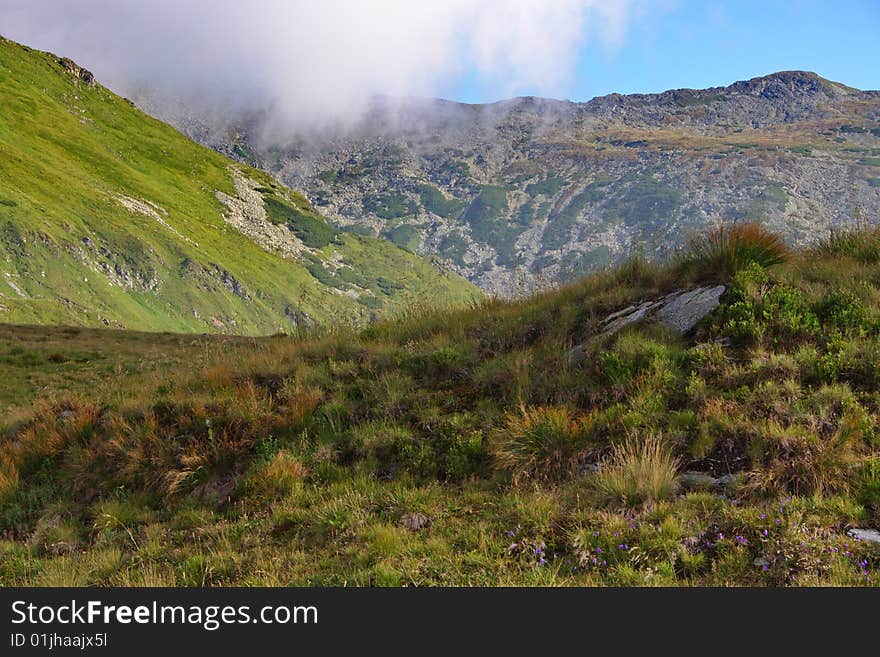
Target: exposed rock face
x,y
869,535
523,193
152,210
247,214
682,312
77,71
679,311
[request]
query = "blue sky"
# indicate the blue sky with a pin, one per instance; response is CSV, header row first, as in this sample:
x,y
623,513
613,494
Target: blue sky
x,y
699,44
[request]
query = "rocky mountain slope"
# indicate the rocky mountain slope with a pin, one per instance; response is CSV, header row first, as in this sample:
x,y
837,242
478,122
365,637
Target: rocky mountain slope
x,y
529,191
110,217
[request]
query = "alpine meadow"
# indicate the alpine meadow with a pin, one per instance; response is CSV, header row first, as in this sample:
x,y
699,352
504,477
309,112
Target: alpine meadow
x,y
629,341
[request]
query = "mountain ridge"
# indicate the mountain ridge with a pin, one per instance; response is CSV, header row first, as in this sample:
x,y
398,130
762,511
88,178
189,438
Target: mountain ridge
x,y
531,192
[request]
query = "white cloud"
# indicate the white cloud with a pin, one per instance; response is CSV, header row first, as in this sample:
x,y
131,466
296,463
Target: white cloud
x,y
315,61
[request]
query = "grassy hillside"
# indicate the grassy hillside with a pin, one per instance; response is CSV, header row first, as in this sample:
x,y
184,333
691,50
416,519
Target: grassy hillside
x,y
108,216
469,447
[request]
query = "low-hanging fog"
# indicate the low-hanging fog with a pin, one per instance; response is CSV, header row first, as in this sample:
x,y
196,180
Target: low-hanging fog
x,y
319,63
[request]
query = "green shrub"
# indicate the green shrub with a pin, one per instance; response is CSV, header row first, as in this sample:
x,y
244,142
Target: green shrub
x,y
311,229
842,309
638,353
549,186
405,236
435,202
756,310
390,206
453,451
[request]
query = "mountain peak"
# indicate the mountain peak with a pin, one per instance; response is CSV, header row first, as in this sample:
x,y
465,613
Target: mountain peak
x,y
784,83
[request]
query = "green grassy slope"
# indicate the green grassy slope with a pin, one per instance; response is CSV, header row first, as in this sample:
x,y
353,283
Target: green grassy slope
x,y
468,447
72,253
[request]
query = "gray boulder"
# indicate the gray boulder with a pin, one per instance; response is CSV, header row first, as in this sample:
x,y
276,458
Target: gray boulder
x,y
679,311
682,312
868,535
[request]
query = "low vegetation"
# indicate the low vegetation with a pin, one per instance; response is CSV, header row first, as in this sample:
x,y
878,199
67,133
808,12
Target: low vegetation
x,y
467,447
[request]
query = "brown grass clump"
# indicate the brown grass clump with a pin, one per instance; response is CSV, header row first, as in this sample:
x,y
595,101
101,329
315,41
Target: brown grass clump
x,y
724,251
540,441
637,472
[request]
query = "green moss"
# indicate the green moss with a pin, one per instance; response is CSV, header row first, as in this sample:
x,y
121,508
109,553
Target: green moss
x,y
405,236
434,201
389,206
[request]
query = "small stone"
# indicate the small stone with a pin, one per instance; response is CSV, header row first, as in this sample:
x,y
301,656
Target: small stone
x,y
869,535
216,491
415,521
578,354
696,481
589,468
723,481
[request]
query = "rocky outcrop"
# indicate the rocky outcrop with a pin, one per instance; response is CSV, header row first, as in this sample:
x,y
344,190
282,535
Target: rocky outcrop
x,y
679,311
152,210
868,535
78,72
246,213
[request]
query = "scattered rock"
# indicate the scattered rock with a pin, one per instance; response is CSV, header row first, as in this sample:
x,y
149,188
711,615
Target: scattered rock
x,y
415,521
691,544
246,213
589,468
703,481
152,210
297,317
578,354
216,491
869,535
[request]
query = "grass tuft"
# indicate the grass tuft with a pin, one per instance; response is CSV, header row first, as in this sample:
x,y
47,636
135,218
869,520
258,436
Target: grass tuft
x,y
540,441
637,472
721,253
